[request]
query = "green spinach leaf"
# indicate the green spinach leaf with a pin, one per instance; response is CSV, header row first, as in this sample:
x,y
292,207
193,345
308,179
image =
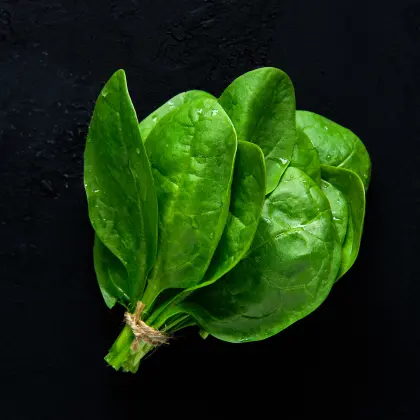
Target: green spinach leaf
x,y
192,152
336,145
119,186
289,271
351,187
261,105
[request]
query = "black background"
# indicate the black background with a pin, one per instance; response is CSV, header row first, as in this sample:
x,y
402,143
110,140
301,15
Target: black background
x,y
355,62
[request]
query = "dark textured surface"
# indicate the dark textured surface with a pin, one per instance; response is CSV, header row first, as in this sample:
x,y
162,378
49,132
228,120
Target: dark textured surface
x,y
355,62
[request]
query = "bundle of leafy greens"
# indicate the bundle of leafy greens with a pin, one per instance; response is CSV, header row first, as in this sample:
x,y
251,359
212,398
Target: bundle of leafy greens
x,y
234,214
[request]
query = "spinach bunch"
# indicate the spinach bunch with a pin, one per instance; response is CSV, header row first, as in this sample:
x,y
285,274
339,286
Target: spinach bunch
x,y
235,214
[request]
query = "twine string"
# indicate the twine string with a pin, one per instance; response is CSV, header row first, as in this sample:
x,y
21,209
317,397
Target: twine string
x,y
142,331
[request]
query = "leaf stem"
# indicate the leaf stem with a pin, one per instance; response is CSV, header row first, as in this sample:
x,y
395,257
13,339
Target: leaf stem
x,y
121,355
120,350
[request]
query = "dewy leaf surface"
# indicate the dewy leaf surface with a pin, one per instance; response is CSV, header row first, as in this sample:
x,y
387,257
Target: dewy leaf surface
x,y
192,152
119,186
290,269
336,145
147,125
261,105
351,187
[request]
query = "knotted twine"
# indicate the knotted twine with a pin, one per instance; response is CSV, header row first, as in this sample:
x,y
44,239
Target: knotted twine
x,y
142,331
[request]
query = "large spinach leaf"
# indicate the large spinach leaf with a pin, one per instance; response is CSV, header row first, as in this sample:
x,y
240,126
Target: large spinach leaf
x,y
192,152
119,186
290,270
350,186
147,125
336,145
261,105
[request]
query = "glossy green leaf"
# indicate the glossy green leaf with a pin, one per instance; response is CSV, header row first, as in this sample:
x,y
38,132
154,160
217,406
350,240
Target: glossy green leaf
x,y
192,152
339,208
119,186
247,199
147,125
261,105
351,187
336,146
305,157
289,271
